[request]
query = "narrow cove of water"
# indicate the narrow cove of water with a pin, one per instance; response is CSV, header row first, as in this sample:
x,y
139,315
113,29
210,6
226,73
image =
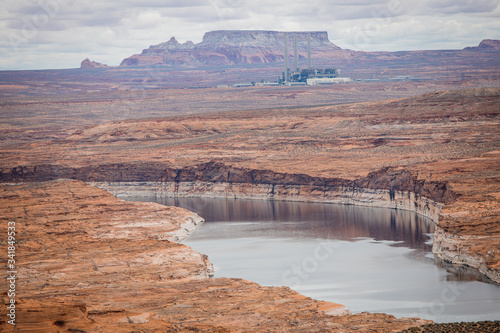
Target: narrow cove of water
x,y
369,259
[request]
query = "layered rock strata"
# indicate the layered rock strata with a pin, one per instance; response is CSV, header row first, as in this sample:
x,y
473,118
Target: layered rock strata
x,y
389,187
236,47
230,47
88,262
469,245
467,235
462,250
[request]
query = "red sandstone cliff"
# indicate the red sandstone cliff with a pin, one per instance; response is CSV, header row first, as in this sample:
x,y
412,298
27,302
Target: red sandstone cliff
x,y
233,47
229,47
386,179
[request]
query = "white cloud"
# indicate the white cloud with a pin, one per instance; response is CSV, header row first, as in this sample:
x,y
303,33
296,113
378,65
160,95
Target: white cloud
x,y
61,33
463,6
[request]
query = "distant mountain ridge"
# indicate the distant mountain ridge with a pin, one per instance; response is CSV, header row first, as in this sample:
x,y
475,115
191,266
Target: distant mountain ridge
x,y
234,47
229,47
486,44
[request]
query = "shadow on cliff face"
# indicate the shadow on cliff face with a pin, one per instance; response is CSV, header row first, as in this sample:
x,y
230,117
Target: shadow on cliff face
x,y
391,179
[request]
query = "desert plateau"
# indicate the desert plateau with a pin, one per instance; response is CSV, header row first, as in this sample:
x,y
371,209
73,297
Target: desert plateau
x,y
412,130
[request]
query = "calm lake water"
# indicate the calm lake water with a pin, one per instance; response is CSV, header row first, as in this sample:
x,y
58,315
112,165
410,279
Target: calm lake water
x,y
369,259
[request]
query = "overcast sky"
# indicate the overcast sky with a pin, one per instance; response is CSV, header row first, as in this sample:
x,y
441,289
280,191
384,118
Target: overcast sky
x,y
39,34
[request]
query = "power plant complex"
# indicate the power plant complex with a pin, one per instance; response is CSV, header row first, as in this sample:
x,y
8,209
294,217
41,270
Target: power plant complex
x,y
296,76
310,76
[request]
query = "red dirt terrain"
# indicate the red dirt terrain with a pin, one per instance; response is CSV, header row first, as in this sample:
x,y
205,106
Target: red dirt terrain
x,y
88,261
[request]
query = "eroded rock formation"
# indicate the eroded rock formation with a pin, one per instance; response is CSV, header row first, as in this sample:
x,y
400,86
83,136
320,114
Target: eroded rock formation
x,y
487,45
394,188
87,64
234,47
230,47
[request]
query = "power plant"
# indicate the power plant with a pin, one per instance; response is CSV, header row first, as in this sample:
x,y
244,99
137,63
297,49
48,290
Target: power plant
x,y
296,76
309,76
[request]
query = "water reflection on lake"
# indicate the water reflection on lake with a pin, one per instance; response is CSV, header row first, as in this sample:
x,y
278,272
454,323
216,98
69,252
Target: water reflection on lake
x,y
369,259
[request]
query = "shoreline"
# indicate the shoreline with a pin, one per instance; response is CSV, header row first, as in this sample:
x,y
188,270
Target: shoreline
x,y
106,267
368,198
388,187
361,197
120,192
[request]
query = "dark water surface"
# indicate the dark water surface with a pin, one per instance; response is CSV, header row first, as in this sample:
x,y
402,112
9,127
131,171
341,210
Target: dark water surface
x,y
369,259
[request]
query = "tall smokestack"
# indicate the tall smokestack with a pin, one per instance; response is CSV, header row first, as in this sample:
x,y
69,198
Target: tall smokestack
x,y
286,57
308,51
296,58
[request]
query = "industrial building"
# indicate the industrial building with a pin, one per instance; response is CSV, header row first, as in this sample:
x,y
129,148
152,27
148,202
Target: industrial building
x,y
310,76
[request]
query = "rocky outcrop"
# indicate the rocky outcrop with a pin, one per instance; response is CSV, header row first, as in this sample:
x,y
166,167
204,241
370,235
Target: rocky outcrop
x,y
304,193
486,45
232,47
171,53
171,45
386,188
87,64
88,262
461,250
394,188
467,234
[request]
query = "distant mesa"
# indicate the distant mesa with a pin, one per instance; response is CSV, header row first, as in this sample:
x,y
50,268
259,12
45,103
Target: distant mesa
x,y
486,45
236,47
233,47
87,64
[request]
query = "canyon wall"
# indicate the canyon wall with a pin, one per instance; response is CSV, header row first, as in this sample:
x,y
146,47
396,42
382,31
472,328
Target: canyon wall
x,y
392,188
389,187
459,250
304,193
462,250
